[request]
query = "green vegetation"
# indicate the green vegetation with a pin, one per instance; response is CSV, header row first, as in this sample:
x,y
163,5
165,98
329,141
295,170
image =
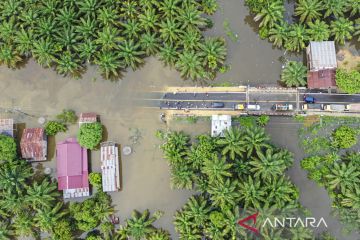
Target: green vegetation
x,y
67,117
53,127
243,170
7,148
344,137
67,36
294,74
348,81
229,32
316,20
263,120
95,179
90,135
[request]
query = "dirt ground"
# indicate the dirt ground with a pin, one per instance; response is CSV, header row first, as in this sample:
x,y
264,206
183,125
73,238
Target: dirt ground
x,y
347,59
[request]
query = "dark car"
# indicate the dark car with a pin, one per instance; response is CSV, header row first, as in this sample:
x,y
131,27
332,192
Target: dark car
x,y
309,99
217,105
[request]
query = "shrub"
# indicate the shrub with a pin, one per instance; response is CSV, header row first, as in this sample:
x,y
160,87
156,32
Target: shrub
x,y
348,81
344,137
7,148
67,116
263,120
315,175
53,127
310,163
95,179
90,135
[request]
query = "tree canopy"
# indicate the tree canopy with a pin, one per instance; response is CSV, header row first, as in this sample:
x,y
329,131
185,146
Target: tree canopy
x,y
348,81
90,135
7,148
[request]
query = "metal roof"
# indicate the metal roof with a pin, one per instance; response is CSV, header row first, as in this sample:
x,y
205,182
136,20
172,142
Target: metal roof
x,y
110,168
220,123
33,144
322,55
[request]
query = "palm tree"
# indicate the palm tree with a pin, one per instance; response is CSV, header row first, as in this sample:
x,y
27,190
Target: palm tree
x,y
343,177
24,225
140,225
213,48
209,6
294,74
107,230
271,13
190,17
182,222
66,16
251,193
8,30
149,42
357,25
191,39
46,27
132,29
9,56
42,195
224,195
67,38
86,50
301,233
87,28
107,16
14,175
168,54
213,232
46,219
182,177
308,10
216,168
44,51
131,53
129,9
267,166
232,143
24,41
297,38
148,19
88,7
281,192
5,231
352,198
198,210
13,203
318,31
255,139
68,64
169,30
109,38
279,34
10,8
334,7
354,5
169,8
342,30
28,17
159,235
189,65
109,63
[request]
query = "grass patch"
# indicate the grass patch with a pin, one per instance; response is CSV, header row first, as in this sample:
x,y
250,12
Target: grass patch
x,y
229,32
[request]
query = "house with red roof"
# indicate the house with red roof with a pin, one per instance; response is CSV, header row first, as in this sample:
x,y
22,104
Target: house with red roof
x,y
88,117
33,144
72,169
322,64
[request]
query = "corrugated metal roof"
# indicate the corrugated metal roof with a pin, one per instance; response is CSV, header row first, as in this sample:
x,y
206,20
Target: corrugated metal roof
x,y
7,126
110,167
33,144
322,55
88,117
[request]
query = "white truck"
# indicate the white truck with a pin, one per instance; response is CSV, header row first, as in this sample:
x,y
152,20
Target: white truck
x,y
283,107
336,107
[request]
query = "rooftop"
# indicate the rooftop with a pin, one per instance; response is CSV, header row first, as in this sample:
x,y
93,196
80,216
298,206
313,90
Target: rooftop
x,y
88,117
323,79
220,123
110,167
321,55
7,126
33,144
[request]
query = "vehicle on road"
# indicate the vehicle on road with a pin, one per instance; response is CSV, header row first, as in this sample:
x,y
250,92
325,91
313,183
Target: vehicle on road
x,y
239,106
253,107
336,107
312,106
309,99
355,107
217,105
283,107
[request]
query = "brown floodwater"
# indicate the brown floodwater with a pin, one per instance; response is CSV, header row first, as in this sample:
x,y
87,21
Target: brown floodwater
x,y
32,91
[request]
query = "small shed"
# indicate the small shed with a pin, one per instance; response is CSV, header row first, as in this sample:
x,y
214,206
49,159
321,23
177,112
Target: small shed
x,y
219,124
110,167
72,169
88,117
33,144
321,56
7,126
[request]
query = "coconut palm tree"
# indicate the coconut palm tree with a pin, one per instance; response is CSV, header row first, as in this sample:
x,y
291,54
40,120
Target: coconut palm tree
x,y
159,235
24,42
352,198
46,27
107,230
131,53
9,56
170,30
29,17
224,195
294,74
318,31
103,211
86,50
5,230
87,28
168,54
268,165
148,19
66,16
342,30
281,192
198,209
343,177
88,7
129,9
182,222
255,139
8,30
68,65
109,38
14,175
13,203
42,195
354,5
297,38
149,42
232,143
182,177
190,17
169,8
337,8
271,13
132,29
46,219
44,51
191,40
216,168
109,63
67,38
10,8
108,16
213,48
209,6
279,34
189,65
308,10
213,232
251,193
24,225
139,226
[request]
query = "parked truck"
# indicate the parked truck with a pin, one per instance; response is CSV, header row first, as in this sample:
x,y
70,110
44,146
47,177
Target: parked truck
x,y
312,106
336,107
239,106
283,107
